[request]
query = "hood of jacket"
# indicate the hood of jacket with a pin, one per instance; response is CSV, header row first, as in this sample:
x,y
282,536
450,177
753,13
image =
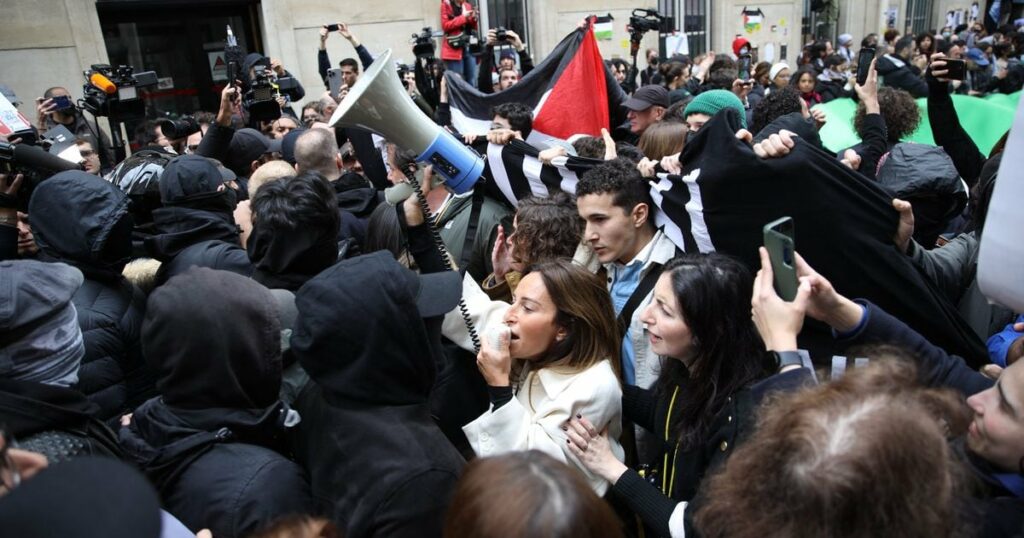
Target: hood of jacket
x,y
163,441
79,219
910,170
358,200
214,340
360,336
181,227
287,258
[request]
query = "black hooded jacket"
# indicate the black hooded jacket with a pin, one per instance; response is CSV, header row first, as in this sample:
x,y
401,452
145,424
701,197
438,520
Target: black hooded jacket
x,y
83,221
378,463
212,443
202,233
58,422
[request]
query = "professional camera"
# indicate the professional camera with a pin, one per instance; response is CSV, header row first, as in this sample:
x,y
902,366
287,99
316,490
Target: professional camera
x,y
114,92
423,42
501,34
34,163
642,21
180,128
261,98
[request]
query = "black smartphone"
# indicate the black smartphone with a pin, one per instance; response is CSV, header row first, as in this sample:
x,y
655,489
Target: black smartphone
x,y
955,69
332,27
864,59
779,240
62,102
744,67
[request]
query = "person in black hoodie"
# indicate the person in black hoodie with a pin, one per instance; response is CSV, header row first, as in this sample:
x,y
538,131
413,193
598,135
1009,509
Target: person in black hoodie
x,y
295,231
212,443
195,226
368,335
81,220
39,362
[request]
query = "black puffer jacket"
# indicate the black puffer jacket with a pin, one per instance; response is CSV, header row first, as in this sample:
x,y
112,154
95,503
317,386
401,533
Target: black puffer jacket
x,y
196,237
210,443
84,221
377,462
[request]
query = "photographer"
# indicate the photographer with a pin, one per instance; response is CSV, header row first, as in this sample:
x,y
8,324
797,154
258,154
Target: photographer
x,y
275,71
458,19
408,78
501,37
52,113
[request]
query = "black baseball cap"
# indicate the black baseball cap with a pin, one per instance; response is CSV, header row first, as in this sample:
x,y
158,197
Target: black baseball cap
x,y
648,96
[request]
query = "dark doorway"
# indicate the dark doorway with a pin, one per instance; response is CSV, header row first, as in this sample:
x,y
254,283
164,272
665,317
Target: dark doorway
x,y
180,41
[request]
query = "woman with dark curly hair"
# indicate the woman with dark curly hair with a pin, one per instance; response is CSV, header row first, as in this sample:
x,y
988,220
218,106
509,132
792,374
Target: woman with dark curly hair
x,y
804,80
544,229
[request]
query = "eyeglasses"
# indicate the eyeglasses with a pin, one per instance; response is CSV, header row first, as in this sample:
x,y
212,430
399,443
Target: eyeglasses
x,y
10,477
87,153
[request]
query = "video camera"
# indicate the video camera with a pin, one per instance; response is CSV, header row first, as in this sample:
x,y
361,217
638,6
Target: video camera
x,y
261,98
423,42
114,92
182,127
642,21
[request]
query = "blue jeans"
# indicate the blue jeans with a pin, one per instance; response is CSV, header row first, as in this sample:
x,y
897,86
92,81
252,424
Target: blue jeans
x,y
466,67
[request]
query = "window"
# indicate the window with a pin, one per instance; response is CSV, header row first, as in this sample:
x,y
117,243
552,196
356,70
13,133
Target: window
x,y
696,14
918,16
509,14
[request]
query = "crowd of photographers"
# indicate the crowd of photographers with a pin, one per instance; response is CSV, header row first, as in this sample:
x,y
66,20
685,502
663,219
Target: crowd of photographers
x,y
247,326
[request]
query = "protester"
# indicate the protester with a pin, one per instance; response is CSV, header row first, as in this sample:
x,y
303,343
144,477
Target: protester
x,y
646,107
495,493
40,364
779,76
213,444
88,226
834,81
813,466
561,330
897,70
707,104
805,81
707,395
378,464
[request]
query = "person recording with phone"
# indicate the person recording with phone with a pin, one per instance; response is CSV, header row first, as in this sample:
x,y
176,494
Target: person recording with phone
x,y
57,107
349,68
459,21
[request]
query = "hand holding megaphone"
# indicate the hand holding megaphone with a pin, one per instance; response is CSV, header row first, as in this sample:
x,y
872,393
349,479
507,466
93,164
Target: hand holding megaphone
x,y
494,359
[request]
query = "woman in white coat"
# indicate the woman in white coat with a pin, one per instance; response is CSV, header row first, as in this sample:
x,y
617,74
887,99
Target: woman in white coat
x,y
562,342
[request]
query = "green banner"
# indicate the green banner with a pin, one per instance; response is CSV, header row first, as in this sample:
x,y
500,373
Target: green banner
x,y
985,119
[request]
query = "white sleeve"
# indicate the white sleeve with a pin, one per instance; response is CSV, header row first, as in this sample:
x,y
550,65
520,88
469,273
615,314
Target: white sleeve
x,y
483,312
676,525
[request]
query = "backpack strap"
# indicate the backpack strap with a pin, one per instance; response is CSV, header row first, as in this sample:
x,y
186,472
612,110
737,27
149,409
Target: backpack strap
x,y
641,291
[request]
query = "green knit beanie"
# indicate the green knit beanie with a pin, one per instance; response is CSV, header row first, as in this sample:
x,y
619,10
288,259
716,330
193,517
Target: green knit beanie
x,y
711,101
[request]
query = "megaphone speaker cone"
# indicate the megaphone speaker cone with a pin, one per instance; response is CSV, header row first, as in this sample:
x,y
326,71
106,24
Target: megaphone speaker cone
x,y
378,103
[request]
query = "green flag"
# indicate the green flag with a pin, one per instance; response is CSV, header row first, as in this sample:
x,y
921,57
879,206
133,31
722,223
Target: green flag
x,y
985,120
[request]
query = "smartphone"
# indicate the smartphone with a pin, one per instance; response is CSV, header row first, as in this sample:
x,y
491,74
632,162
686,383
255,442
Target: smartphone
x,y
779,241
334,81
744,67
332,27
864,59
955,69
62,102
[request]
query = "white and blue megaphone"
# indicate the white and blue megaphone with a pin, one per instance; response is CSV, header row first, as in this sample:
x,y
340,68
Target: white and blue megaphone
x,y
378,103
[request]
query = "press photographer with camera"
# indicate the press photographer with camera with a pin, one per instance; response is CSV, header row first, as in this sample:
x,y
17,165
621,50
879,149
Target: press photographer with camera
x,y
57,107
501,37
459,20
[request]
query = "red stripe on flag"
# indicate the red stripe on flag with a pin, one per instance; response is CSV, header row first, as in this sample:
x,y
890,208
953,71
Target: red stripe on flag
x,y
578,103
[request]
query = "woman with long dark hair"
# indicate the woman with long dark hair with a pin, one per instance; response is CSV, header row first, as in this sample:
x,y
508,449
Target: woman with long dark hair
x,y
712,379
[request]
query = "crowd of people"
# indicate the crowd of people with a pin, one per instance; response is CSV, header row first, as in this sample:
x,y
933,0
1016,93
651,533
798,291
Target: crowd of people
x,y
289,328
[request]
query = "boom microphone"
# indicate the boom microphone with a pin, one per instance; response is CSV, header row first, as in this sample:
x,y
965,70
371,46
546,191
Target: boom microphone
x,y
35,157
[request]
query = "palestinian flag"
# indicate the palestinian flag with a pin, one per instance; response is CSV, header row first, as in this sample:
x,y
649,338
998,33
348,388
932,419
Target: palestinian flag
x,y
570,92
844,222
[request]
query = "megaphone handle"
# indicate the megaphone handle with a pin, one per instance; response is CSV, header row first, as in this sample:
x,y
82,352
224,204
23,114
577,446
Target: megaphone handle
x,y
439,243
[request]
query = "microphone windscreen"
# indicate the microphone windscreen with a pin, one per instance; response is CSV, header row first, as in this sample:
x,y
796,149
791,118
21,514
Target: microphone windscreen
x,y
103,83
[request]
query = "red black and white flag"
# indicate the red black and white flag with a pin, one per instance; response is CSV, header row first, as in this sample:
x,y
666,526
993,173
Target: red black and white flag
x,y
570,92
